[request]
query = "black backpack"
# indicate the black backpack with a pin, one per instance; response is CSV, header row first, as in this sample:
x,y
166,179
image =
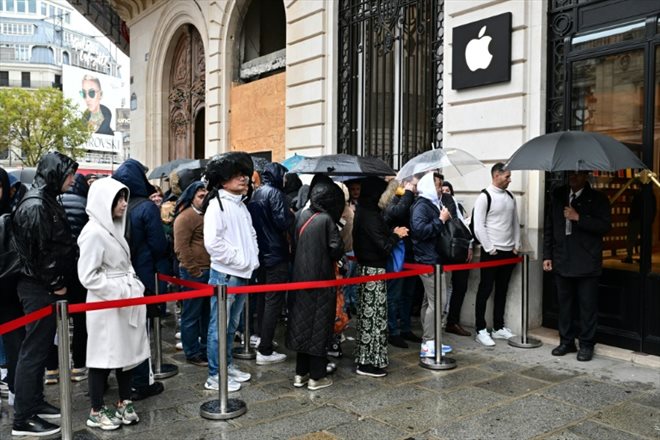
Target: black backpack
x,y
10,261
488,200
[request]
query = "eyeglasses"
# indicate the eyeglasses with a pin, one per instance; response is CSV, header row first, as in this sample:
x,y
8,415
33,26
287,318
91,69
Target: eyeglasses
x,y
91,93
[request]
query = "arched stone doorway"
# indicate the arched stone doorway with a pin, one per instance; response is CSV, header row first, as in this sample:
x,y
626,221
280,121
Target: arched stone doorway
x,y
186,96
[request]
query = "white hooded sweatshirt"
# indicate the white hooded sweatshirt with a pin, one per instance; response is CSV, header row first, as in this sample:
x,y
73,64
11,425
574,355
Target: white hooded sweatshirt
x,y
117,338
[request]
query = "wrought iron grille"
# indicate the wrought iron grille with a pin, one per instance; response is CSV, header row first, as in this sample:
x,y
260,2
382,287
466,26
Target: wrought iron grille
x,y
390,78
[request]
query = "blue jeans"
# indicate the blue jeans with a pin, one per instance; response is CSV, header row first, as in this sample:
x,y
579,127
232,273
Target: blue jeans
x,y
194,318
234,310
399,302
3,358
350,291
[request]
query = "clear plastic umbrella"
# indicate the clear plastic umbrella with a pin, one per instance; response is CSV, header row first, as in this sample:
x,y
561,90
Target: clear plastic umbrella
x,y
452,162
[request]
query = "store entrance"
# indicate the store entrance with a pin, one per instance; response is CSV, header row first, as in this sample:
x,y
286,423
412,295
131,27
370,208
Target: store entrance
x,y
615,90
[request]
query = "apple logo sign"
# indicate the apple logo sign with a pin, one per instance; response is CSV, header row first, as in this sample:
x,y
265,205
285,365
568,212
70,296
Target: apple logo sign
x,y
481,52
477,55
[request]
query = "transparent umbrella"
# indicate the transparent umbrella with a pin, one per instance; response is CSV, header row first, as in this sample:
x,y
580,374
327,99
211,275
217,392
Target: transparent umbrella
x,y
452,162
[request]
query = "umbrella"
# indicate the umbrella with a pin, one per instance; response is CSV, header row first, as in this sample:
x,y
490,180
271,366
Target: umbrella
x,y
193,165
259,163
453,161
24,175
343,165
165,169
292,161
573,151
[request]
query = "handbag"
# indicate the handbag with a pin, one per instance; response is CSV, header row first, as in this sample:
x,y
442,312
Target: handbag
x,y
396,258
454,242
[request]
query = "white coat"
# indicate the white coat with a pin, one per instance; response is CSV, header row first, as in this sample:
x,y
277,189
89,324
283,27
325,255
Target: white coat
x,y
117,338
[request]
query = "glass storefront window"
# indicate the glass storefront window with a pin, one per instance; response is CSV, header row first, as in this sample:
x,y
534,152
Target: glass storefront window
x,y
607,96
610,36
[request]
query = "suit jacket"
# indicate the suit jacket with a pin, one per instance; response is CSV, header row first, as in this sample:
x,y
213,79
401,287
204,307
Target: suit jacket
x,y
581,253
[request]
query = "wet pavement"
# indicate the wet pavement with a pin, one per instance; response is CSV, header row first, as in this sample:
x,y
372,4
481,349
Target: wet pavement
x,y
494,393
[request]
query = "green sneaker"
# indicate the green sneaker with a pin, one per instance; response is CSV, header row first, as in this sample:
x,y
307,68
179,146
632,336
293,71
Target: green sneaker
x,y
105,419
126,413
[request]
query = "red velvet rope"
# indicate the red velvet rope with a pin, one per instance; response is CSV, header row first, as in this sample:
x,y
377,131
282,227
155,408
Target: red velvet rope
x,y
25,320
207,290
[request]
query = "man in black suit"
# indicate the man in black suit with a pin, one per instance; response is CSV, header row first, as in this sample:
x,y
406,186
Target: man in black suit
x,y
576,221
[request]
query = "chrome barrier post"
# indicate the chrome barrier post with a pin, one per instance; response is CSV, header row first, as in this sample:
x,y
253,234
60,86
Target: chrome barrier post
x,y
245,352
439,362
223,408
161,370
62,317
523,341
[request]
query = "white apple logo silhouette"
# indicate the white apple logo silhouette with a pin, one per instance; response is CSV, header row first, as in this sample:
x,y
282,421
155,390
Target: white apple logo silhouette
x,y
477,55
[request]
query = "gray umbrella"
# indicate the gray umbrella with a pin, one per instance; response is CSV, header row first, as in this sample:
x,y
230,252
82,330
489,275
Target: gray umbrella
x,y
574,150
25,175
165,169
343,165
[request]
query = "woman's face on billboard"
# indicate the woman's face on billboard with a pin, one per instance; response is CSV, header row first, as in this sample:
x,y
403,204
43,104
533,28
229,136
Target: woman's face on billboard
x,y
92,95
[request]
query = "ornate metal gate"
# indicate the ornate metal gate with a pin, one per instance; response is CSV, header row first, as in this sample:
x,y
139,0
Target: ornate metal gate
x,y
390,77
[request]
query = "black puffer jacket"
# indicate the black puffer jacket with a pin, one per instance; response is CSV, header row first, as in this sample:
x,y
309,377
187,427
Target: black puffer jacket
x,y
271,216
397,213
43,237
319,246
74,202
373,239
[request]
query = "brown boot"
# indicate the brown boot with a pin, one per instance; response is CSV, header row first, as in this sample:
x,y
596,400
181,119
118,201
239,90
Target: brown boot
x,y
457,330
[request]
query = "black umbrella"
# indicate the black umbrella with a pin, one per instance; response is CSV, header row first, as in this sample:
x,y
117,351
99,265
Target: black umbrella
x,y
574,150
193,165
165,169
343,165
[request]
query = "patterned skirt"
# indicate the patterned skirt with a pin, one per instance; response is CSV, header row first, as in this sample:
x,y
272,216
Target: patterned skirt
x,y
371,341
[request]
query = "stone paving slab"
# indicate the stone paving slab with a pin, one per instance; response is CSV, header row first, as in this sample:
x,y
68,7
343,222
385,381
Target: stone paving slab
x,y
417,416
520,419
651,398
547,374
633,417
366,428
592,431
588,393
443,381
511,385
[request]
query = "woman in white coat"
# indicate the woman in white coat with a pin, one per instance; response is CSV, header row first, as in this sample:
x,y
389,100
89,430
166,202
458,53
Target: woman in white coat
x,y
117,338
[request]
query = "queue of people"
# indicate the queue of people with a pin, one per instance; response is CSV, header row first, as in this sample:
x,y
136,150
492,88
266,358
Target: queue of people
x,y
224,231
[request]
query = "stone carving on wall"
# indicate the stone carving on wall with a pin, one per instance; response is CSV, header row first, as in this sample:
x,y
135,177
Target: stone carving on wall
x,y
187,94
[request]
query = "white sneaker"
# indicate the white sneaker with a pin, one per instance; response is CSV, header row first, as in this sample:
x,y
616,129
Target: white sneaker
x,y
177,335
179,346
428,349
254,341
239,376
213,385
503,333
273,358
484,338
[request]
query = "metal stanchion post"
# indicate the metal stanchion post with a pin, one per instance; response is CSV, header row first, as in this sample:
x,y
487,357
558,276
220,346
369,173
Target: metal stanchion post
x,y
62,317
523,341
245,352
223,408
439,362
161,370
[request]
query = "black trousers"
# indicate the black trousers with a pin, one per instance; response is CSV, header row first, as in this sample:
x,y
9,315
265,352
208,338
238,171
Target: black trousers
x,y
312,365
10,309
76,294
493,276
97,378
583,293
39,336
272,305
459,284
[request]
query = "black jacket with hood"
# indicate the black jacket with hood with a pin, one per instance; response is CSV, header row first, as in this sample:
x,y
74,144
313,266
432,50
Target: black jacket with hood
x,y
373,239
43,237
271,216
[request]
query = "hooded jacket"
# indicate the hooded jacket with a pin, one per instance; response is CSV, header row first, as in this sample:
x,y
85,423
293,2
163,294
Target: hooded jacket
x,y
41,230
425,224
117,338
189,233
373,240
5,200
74,202
148,240
319,246
271,216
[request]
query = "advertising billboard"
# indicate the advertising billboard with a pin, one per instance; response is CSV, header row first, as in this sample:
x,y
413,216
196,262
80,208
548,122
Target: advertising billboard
x,y
99,97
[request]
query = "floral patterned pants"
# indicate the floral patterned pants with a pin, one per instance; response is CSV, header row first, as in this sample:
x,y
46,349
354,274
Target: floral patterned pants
x,y
371,341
